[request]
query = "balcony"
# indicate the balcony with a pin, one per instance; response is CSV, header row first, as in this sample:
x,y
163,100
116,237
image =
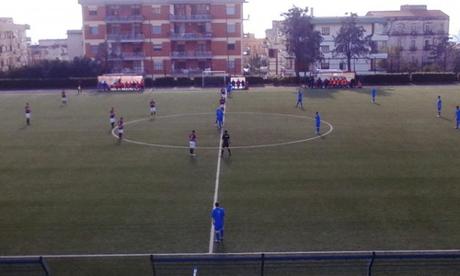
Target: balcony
x,y
124,19
127,56
191,55
187,72
413,49
190,18
126,37
191,36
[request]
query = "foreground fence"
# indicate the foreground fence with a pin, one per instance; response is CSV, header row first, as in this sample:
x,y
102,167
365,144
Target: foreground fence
x,y
379,263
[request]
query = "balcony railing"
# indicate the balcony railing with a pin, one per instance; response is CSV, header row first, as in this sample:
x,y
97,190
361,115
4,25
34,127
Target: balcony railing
x,y
194,17
413,49
127,56
118,18
128,37
191,36
191,54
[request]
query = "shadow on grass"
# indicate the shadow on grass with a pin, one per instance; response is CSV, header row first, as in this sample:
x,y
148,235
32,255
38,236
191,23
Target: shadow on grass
x,y
330,93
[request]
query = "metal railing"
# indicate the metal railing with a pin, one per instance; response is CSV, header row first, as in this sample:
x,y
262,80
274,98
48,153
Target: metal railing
x,y
193,17
139,37
119,18
191,36
127,56
191,54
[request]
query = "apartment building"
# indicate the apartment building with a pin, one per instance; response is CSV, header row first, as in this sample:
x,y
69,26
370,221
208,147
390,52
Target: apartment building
x,y
58,49
165,37
374,27
254,47
13,44
413,30
280,61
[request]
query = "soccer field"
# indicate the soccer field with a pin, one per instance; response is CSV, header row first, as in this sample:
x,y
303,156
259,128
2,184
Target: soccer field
x,y
385,177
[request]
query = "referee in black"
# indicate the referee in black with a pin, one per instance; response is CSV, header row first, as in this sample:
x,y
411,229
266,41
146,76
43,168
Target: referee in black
x,y
225,144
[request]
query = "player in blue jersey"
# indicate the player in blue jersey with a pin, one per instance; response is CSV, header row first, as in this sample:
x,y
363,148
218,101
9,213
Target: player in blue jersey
x,y
457,116
220,117
229,89
373,95
218,215
300,98
317,123
439,105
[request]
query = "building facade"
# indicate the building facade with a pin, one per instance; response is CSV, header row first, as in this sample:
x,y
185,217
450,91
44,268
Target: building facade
x,y
254,48
164,37
413,32
372,62
281,63
13,44
58,49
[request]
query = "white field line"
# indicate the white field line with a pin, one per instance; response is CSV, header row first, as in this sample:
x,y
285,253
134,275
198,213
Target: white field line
x,y
331,129
133,255
216,185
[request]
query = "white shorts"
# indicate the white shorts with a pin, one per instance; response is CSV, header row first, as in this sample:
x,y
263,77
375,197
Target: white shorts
x,y
120,131
153,109
28,115
64,100
112,120
192,144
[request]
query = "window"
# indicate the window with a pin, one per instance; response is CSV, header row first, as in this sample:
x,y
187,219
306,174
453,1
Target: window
x,y
412,43
231,10
94,30
156,10
157,47
324,65
231,64
92,12
325,30
427,28
342,65
325,49
94,49
136,10
156,29
158,65
231,28
231,46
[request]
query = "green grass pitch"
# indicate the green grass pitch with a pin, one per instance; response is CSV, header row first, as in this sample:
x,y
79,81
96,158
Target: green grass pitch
x,y
386,178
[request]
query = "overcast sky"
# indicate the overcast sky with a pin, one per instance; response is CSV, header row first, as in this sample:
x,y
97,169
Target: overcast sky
x,y
52,18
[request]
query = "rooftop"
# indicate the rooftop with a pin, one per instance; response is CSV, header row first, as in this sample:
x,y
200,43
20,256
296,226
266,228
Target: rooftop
x,y
150,2
410,12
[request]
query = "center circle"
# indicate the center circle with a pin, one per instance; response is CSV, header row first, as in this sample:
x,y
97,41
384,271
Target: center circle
x,y
248,130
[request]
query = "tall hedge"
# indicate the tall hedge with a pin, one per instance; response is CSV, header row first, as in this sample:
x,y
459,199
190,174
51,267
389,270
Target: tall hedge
x,y
67,83
385,79
434,77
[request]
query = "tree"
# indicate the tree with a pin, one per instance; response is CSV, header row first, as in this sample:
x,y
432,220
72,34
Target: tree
x,y
351,41
302,41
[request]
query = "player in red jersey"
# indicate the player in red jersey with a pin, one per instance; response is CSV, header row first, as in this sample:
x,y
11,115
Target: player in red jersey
x,y
192,143
112,118
63,97
121,129
222,101
153,109
28,113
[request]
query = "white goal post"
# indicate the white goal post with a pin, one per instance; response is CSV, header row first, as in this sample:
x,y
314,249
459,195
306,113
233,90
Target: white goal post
x,y
206,74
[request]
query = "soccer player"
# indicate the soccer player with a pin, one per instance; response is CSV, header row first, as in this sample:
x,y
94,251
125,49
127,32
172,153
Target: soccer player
x,y
218,215
79,90
373,95
225,144
317,123
229,89
112,118
300,98
153,109
220,117
222,101
28,113
121,129
63,97
439,105
457,115
192,143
